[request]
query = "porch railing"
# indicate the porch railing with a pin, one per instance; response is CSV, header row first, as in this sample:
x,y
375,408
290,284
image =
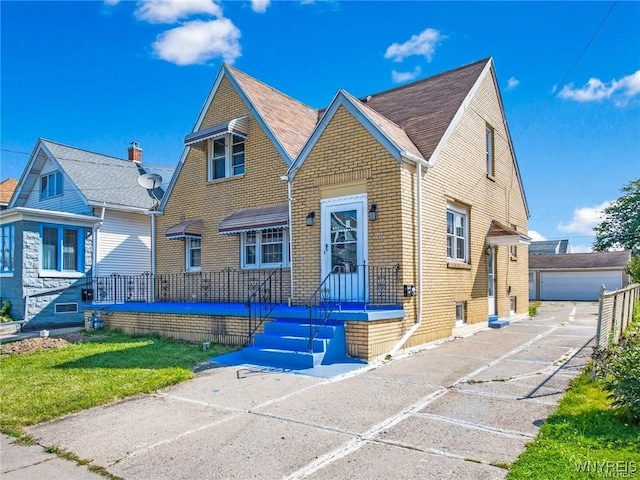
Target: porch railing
x,y
225,286
263,300
347,287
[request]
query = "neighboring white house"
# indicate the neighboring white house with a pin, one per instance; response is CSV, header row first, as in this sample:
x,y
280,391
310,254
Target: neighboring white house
x,y
576,276
73,214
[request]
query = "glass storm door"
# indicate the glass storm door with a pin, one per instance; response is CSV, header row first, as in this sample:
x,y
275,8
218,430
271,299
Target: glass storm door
x,y
491,280
344,225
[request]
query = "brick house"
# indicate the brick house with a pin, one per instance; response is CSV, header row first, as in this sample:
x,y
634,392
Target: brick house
x,y
74,214
401,214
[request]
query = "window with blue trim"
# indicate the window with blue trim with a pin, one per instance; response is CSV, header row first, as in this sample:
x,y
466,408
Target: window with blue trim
x,y
62,248
51,185
8,248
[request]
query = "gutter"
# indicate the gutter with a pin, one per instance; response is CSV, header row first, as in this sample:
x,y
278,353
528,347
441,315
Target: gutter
x,y
419,162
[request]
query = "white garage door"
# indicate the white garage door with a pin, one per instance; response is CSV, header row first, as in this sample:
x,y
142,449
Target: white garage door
x,y
577,286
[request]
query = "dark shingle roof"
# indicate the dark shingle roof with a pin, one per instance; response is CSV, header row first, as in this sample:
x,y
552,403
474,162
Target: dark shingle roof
x,y
104,179
580,260
424,109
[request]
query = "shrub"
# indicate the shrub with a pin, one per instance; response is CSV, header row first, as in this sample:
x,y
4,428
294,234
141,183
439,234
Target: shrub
x,y
5,312
619,369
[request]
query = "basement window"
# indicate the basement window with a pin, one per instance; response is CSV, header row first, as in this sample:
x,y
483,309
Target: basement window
x,y
66,308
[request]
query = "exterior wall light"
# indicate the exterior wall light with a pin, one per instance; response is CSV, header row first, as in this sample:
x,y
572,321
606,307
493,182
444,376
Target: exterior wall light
x,y
373,212
310,218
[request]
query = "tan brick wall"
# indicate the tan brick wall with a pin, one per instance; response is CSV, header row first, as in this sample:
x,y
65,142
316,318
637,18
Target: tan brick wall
x,y
369,340
191,328
194,197
459,176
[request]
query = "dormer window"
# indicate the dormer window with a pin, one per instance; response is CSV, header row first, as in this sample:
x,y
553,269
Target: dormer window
x,y
50,185
226,157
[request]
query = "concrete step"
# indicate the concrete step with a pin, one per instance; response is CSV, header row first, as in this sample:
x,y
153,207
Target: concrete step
x,y
273,357
298,329
286,342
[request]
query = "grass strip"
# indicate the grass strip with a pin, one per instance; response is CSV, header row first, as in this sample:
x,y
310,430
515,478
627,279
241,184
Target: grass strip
x,y
584,438
48,384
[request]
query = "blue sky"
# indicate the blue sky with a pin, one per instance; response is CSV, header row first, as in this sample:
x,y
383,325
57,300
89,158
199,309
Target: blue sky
x,y
97,75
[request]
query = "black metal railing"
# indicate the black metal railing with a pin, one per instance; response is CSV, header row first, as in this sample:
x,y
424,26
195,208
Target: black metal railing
x,y
225,286
348,287
261,302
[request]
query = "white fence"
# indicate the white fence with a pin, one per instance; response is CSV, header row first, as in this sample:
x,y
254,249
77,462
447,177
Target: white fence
x,y
615,314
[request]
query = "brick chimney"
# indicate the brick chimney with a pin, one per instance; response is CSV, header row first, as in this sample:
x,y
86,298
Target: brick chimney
x,y
135,152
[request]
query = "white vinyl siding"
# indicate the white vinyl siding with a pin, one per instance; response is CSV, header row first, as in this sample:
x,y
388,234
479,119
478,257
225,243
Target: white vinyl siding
x,y
70,200
123,244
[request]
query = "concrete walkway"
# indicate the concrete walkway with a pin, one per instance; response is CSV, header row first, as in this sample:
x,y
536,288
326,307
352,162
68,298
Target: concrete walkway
x,y
459,409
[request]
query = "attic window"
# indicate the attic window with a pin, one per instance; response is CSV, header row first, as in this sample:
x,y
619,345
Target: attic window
x,y
491,167
226,157
50,185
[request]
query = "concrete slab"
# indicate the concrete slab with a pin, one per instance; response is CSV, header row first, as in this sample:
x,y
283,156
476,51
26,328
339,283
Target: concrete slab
x,y
354,405
240,388
430,367
473,347
574,330
514,389
106,434
540,353
499,413
376,461
507,369
19,462
251,446
425,433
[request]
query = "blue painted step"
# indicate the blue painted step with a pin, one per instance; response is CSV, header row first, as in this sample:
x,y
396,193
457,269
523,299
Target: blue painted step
x,y
286,344
495,322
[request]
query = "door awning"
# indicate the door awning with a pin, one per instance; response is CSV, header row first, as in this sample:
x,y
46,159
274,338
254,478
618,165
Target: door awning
x,y
187,229
275,216
237,126
499,234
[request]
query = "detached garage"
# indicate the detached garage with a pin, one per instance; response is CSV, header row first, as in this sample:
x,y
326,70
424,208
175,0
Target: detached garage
x,y
576,276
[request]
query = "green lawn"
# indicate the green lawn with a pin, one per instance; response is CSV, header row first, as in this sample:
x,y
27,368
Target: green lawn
x,y
47,384
583,429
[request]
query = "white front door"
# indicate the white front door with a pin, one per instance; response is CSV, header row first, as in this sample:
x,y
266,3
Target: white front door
x,y
491,280
344,236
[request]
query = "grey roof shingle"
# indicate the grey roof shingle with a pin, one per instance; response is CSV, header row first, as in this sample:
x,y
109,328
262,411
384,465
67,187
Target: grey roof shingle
x,y
580,260
104,179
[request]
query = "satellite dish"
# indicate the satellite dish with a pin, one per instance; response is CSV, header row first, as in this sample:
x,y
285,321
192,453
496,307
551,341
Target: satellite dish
x,y
150,181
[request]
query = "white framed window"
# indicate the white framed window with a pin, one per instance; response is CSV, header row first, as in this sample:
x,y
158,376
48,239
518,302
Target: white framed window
x,y
489,132
461,314
457,233
193,247
226,157
265,248
513,305
50,185
61,248
8,248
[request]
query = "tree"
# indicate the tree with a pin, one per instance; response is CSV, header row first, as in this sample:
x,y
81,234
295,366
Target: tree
x,y
633,269
620,227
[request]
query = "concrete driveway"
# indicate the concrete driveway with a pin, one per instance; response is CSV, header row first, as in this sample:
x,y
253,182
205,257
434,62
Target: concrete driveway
x,y
458,409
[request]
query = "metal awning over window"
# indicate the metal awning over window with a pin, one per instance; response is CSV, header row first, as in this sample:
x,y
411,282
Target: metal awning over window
x,y
275,216
187,229
499,234
237,126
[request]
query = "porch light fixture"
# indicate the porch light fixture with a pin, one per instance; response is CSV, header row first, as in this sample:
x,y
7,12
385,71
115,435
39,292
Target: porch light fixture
x,y
373,212
488,251
310,218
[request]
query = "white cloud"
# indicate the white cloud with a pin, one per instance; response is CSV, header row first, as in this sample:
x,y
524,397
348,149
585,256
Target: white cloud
x,y
399,77
260,6
111,3
595,90
198,41
170,11
584,219
423,44
581,248
512,83
535,236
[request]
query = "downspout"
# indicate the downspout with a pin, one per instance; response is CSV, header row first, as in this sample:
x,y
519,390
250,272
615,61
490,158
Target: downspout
x,y
419,162
289,201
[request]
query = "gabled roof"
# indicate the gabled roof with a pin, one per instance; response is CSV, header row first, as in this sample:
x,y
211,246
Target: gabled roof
x,y
99,179
566,261
7,187
425,109
290,121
